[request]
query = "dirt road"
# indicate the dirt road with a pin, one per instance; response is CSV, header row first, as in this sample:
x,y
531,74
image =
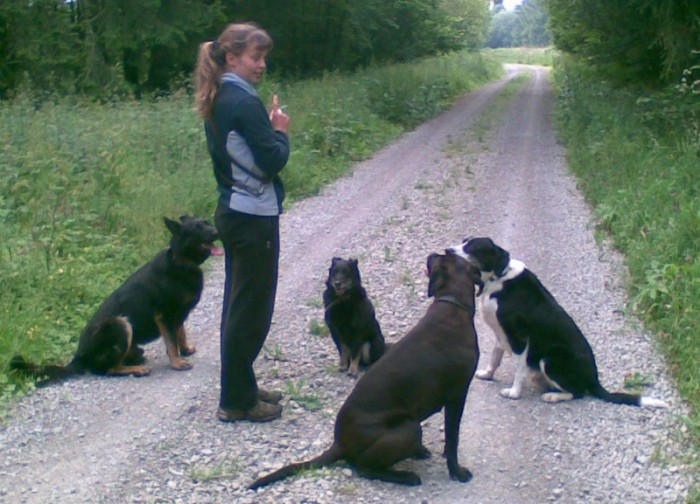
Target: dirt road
x,y
155,439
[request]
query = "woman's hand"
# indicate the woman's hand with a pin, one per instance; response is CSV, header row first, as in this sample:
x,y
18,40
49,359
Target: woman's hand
x,y
280,121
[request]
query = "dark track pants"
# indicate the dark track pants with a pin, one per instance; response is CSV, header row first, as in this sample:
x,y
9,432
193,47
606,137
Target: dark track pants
x,y
252,248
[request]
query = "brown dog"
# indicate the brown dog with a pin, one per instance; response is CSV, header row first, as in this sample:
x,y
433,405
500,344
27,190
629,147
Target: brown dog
x,y
430,368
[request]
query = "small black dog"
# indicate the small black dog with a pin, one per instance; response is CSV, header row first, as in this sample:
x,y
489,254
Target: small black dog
x,y
428,370
350,317
154,301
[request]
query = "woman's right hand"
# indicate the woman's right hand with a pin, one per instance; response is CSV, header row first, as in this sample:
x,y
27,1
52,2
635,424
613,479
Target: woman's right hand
x,y
280,121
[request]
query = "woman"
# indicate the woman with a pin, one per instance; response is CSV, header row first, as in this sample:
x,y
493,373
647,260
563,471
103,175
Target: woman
x,y
249,148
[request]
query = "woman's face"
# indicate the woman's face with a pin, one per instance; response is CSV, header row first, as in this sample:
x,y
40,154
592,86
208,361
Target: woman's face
x,y
250,65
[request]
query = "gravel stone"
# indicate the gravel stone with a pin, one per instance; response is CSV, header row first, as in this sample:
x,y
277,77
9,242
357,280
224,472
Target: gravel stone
x,y
156,439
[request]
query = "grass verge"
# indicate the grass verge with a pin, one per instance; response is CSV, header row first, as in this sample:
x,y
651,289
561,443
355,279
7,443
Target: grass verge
x,y
635,154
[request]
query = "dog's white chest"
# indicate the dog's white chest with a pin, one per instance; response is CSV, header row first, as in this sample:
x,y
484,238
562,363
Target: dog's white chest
x,y
488,307
488,303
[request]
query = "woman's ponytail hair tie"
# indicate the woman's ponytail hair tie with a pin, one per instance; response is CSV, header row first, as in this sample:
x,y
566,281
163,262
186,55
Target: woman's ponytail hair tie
x,y
216,53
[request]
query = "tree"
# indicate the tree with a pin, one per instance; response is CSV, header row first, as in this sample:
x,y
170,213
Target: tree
x,y
505,30
153,40
533,24
38,39
524,26
641,41
98,46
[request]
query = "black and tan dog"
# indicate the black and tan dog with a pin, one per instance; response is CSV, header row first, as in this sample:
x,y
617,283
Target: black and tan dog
x,y
350,317
427,370
528,321
154,301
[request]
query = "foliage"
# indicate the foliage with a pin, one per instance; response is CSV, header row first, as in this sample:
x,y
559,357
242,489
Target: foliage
x,y
636,156
313,37
629,41
309,402
103,49
526,26
84,185
504,30
543,56
410,93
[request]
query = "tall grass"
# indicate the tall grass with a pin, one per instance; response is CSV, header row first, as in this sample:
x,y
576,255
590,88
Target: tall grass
x,y
637,157
84,186
543,56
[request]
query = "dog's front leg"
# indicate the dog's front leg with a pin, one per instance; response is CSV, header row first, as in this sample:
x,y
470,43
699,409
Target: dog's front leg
x,y
185,348
453,417
494,362
344,362
520,376
171,347
354,369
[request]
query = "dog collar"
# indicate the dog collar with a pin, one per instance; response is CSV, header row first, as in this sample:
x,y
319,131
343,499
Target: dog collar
x,y
451,299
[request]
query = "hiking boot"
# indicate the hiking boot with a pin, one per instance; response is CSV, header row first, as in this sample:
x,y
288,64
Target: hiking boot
x,y
269,396
261,412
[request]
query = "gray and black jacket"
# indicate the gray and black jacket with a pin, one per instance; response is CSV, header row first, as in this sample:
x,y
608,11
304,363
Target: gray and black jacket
x,y
247,153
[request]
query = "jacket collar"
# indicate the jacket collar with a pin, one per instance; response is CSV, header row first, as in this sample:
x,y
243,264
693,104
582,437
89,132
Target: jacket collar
x,y
240,82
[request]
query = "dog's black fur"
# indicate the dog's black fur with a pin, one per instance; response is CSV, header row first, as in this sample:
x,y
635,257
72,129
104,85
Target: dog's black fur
x,y
350,316
154,301
430,368
527,320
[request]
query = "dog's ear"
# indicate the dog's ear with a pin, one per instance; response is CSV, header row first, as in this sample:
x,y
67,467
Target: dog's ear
x,y
435,280
501,260
435,269
173,226
356,268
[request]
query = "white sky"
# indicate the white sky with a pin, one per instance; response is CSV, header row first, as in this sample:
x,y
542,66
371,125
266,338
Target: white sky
x,y
511,4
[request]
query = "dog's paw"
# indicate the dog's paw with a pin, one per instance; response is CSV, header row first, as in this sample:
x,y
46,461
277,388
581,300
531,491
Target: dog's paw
x,y
423,453
187,350
180,365
510,393
461,474
555,397
141,371
484,374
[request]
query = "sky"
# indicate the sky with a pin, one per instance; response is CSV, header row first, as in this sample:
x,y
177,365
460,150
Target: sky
x,y
511,4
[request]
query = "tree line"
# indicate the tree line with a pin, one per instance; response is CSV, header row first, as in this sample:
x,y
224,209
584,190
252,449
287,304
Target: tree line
x,y
525,26
131,47
647,42
103,47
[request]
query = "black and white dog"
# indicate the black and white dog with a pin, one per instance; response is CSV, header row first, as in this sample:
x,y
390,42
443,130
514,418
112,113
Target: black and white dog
x,y
529,322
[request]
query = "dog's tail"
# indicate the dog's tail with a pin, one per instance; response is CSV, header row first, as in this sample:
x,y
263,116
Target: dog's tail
x,y
332,454
46,374
630,399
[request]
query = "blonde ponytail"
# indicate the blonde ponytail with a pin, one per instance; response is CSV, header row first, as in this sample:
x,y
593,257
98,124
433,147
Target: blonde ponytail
x,y
207,77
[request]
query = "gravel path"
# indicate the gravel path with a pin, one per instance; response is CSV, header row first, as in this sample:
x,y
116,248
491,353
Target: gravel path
x,y
156,439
